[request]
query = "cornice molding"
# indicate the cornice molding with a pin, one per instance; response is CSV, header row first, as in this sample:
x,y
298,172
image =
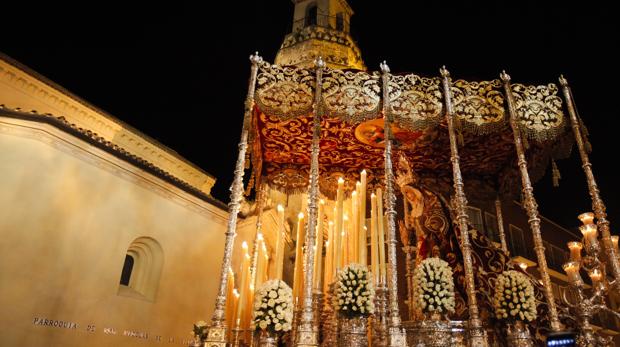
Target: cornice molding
x,y
116,151
31,89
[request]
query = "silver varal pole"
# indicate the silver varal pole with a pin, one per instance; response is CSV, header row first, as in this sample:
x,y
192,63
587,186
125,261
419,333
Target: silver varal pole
x,y
216,335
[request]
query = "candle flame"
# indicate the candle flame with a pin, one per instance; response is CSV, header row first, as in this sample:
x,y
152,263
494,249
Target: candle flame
x,y
244,245
345,217
364,172
280,208
373,195
300,215
236,292
259,236
354,194
358,183
322,202
340,180
330,223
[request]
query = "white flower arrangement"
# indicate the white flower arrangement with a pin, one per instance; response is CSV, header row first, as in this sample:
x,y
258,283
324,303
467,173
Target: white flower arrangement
x,y
354,292
514,297
273,307
434,286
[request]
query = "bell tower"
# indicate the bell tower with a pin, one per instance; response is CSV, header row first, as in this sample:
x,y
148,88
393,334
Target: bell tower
x,y
321,28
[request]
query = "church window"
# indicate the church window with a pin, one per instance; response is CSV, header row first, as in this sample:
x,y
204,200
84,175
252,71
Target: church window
x,y
475,218
142,268
311,15
127,268
516,242
490,222
340,22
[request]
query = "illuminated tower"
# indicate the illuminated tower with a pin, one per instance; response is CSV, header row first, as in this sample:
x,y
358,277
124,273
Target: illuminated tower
x,y
321,28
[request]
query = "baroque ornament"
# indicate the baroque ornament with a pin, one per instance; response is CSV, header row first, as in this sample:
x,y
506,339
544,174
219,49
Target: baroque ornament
x,y
539,111
351,96
479,106
286,92
415,102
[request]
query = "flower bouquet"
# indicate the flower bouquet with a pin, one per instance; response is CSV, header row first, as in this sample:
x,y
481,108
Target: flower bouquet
x,y
273,308
354,301
514,302
355,293
434,287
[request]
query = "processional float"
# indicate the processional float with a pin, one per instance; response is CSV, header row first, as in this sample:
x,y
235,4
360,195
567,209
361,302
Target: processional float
x,y
319,131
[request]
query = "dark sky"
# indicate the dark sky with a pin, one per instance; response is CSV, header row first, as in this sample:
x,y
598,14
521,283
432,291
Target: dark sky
x,y
178,72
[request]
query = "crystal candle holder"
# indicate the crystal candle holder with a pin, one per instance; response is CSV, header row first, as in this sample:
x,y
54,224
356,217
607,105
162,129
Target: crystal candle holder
x,y
586,218
575,250
590,234
572,271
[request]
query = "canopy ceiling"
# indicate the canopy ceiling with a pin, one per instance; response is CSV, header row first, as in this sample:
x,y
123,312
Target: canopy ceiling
x,y
352,125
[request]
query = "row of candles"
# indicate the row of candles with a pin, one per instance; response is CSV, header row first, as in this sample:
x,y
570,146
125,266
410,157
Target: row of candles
x,y
347,226
590,235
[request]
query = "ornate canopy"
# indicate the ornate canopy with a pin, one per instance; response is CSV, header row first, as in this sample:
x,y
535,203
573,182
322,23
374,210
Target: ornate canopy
x,y
352,126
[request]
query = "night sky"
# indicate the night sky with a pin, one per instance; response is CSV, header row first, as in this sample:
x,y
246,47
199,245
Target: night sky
x,y
179,73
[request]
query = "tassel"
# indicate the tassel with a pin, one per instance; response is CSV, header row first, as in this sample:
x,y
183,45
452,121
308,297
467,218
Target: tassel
x,y
555,174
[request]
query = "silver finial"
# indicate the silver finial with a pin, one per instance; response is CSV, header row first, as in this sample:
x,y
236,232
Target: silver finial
x,y
255,58
384,67
319,62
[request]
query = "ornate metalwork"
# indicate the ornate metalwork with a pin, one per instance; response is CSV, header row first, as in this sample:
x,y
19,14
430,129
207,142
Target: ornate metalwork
x,y
477,335
353,332
260,205
538,111
396,334
329,326
479,106
307,331
216,336
500,225
286,92
410,266
415,102
597,203
531,206
351,96
266,339
584,309
379,320
518,335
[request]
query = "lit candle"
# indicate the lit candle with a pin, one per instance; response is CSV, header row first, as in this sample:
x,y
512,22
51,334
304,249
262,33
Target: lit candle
x,y
280,243
260,261
572,271
298,276
355,232
243,290
339,222
575,250
318,254
362,216
230,297
589,233
596,276
586,218
346,237
614,241
381,232
329,256
374,247
235,305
